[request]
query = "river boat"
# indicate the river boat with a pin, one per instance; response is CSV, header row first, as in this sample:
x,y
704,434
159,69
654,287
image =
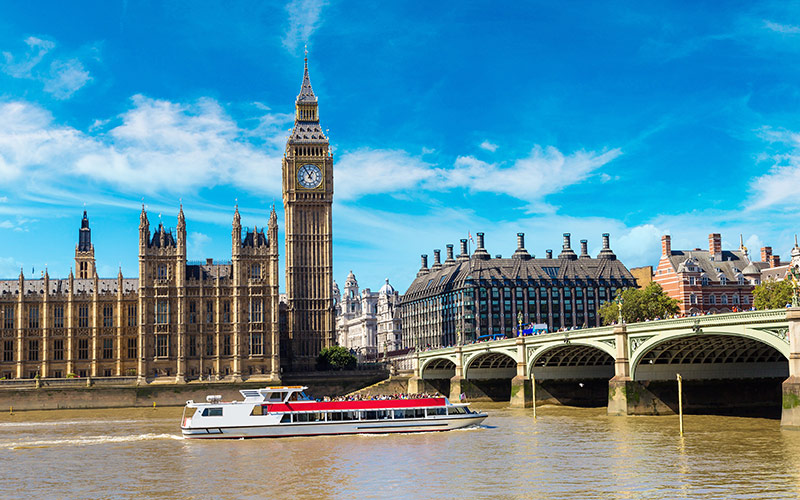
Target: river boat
x,y
288,411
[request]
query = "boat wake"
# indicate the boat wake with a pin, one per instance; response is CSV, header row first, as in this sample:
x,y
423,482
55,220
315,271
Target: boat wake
x,y
88,440
59,423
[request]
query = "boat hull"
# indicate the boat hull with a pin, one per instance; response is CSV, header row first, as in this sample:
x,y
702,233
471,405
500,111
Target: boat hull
x,y
333,428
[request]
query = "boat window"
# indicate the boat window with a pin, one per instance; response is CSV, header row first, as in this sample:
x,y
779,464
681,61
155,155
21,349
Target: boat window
x,y
400,414
212,412
384,414
335,415
419,413
301,417
436,411
275,396
370,415
259,410
457,410
316,417
286,418
349,415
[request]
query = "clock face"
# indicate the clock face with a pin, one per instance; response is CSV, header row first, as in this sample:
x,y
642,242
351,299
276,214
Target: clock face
x,y
309,176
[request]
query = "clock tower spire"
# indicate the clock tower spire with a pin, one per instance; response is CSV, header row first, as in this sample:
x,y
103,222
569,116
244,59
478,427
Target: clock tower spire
x,y
307,198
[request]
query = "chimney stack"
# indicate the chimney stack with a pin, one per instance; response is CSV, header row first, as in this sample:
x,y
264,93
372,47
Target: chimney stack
x,y
666,245
715,246
566,250
450,259
606,252
549,253
436,260
463,255
584,249
521,253
424,265
766,254
776,261
480,252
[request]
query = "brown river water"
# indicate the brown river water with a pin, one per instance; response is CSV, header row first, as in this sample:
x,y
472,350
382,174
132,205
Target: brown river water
x,y
564,453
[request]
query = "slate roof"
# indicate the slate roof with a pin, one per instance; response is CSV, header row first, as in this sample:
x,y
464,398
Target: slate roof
x,y
522,272
731,264
206,272
308,133
81,286
306,94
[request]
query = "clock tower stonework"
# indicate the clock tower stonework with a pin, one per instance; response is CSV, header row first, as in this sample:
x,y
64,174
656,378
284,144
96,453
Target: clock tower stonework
x,y
307,199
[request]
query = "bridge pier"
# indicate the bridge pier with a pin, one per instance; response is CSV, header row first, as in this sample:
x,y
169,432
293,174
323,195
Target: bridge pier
x,y
415,383
521,389
457,381
790,413
627,396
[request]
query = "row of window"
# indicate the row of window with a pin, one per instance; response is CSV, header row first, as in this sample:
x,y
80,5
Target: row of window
x,y
34,316
723,299
343,416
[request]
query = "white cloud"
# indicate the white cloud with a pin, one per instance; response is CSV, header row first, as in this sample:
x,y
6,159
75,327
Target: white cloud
x,y
66,77
787,29
62,79
488,146
640,244
544,171
9,266
196,244
304,18
779,185
159,146
372,171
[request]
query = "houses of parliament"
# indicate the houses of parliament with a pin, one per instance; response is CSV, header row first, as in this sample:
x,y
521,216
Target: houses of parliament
x,y
180,320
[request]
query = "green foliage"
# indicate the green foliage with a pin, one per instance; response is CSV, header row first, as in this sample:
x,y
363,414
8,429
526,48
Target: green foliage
x,y
639,304
772,294
336,358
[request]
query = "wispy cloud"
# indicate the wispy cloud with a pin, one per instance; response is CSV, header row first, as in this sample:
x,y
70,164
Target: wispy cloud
x,y
786,29
372,171
62,78
305,16
488,146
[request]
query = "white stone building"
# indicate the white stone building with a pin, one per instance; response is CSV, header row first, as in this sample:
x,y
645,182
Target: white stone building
x,y
367,322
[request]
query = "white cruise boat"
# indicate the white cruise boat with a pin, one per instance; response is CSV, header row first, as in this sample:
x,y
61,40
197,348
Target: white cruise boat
x,y
287,411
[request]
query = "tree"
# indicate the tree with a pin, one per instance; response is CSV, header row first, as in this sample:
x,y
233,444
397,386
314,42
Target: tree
x,y
639,304
336,358
772,294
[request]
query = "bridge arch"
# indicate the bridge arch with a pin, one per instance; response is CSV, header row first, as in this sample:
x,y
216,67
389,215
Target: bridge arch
x,y
437,368
576,359
490,365
711,354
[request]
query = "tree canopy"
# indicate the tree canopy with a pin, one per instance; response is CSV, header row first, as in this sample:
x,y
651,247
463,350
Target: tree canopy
x,y
639,304
772,294
336,358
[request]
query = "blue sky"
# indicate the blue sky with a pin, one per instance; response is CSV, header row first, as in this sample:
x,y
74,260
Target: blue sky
x,y
544,118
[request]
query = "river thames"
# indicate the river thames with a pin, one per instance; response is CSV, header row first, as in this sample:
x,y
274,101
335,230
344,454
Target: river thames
x,y
564,453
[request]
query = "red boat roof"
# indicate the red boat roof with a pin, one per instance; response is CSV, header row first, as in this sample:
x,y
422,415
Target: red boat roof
x,y
377,404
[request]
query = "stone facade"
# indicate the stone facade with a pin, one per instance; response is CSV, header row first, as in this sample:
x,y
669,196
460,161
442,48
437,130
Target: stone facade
x,y
177,321
469,297
368,322
307,201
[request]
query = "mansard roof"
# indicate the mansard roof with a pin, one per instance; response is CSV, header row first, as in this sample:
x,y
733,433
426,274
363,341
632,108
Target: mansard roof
x,y
532,272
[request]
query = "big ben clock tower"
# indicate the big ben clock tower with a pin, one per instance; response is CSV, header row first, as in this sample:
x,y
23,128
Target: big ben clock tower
x,y
307,199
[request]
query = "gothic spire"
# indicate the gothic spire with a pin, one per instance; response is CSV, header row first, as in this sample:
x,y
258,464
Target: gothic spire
x,y
306,92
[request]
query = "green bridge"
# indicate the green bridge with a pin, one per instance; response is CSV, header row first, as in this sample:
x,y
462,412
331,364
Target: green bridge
x,y
737,363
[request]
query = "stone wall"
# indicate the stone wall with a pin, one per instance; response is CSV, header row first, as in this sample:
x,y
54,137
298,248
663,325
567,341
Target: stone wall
x,y
123,396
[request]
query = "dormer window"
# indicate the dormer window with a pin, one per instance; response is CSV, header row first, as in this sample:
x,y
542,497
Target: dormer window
x,y
723,280
705,281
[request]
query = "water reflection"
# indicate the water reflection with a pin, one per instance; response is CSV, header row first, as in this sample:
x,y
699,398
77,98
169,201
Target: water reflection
x,y
564,453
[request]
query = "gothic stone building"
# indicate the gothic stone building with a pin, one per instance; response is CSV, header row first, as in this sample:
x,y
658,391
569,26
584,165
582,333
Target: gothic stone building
x,y
469,297
189,320
179,320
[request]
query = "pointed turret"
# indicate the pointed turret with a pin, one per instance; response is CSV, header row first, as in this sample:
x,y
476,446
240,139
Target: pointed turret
x,y
306,92
144,231
181,229
236,233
